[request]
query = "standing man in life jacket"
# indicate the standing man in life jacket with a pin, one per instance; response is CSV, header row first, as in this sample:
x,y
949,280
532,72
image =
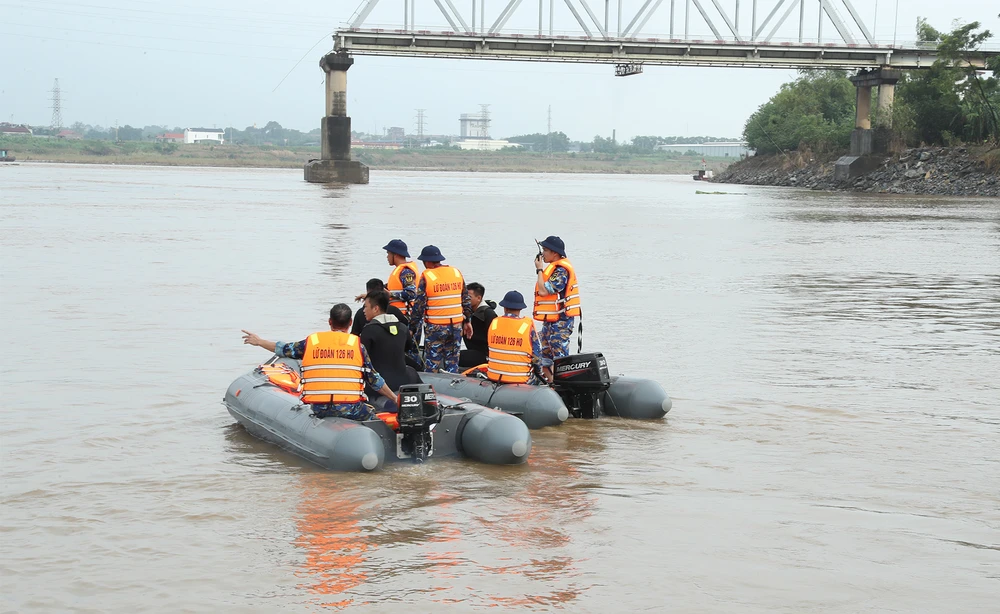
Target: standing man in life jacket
x,y
335,368
557,297
402,282
515,354
443,308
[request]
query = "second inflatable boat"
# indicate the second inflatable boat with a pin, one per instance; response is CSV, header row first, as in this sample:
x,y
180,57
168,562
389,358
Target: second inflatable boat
x,y
582,388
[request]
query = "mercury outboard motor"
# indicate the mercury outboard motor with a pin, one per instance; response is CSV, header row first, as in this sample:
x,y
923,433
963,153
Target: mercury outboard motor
x,y
581,380
418,413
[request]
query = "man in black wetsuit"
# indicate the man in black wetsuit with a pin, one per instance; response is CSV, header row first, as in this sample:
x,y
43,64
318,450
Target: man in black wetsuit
x,y
483,312
387,340
374,285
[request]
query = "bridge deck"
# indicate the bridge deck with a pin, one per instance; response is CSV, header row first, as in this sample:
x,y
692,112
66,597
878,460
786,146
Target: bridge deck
x,y
651,51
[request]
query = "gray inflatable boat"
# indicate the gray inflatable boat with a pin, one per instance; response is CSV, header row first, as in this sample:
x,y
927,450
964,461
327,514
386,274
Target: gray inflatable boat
x,y
581,388
427,425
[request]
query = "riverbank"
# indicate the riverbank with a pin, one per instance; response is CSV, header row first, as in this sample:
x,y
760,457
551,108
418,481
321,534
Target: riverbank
x,y
951,171
268,156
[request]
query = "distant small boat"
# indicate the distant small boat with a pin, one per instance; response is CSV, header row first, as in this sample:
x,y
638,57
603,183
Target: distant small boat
x,y
6,157
703,174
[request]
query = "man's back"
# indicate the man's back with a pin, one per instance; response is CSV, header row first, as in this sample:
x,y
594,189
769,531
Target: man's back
x,y
481,320
385,339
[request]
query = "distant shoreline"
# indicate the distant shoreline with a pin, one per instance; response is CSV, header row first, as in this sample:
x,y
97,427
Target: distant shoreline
x,y
420,169
423,160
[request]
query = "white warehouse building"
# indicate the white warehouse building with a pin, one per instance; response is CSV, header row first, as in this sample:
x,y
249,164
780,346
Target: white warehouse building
x,y
735,149
203,135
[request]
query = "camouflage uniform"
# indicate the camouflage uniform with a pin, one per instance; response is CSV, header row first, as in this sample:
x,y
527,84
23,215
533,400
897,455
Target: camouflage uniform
x,y
555,335
443,344
442,347
352,411
538,360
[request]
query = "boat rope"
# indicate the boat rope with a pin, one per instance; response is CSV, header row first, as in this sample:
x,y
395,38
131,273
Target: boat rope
x,y
496,386
612,400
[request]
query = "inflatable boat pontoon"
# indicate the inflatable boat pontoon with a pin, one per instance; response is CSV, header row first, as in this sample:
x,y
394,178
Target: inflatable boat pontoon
x,y
427,425
582,388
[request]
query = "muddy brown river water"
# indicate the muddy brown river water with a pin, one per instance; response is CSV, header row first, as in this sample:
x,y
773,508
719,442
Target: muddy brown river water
x,y
834,361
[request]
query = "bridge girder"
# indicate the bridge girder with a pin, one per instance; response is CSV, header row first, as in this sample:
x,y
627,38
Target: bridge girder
x,y
616,39
646,51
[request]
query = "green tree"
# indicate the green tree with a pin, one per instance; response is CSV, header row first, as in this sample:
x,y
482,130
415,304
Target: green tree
x,y
950,100
603,145
555,141
816,111
128,133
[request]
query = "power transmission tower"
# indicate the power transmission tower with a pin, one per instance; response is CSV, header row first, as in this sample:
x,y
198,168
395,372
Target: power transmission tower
x,y
57,121
485,114
420,123
548,135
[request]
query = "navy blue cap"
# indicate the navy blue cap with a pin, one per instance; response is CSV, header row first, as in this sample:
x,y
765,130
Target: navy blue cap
x,y
397,246
555,244
430,254
513,300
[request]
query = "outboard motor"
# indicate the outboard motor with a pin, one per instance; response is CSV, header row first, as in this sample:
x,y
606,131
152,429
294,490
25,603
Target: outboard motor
x,y
418,413
581,380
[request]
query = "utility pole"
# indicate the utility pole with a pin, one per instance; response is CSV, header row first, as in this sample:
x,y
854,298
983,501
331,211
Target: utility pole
x,y
57,120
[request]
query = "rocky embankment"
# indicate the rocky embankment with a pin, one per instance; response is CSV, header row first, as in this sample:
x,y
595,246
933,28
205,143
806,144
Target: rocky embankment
x,y
953,171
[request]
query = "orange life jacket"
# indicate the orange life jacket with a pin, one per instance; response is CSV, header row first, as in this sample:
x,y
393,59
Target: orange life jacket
x,y
282,376
548,307
510,355
395,284
333,368
445,289
391,419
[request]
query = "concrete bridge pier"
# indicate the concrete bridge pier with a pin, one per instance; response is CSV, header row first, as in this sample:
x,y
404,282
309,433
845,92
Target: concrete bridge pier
x,y
335,164
863,142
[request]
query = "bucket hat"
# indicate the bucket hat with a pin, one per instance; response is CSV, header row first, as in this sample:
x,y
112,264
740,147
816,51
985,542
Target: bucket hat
x,y
555,244
513,300
397,246
430,254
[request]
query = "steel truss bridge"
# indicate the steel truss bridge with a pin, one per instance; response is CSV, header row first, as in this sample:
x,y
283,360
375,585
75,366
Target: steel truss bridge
x,y
614,35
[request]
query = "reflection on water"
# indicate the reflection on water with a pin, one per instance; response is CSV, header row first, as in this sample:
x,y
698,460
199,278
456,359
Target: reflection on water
x,y
335,545
832,360
337,244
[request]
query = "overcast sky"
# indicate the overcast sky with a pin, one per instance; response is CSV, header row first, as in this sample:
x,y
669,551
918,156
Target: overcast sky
x,y
217,63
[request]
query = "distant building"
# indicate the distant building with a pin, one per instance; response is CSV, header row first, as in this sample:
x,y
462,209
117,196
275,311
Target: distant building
x,y
486,144
204,135
735,149
170,137
395,133
14,129
474,126
69,135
